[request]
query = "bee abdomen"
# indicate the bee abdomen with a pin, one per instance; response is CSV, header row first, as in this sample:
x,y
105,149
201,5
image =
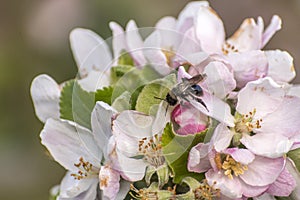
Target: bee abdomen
x,y
171,100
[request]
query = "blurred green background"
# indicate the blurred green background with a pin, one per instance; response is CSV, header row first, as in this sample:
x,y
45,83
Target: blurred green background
x,y
34,40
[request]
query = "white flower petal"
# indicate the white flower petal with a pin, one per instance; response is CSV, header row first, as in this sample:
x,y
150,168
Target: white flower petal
x,y
229,187
294,90
217,109
71,188
263,90
209,30
243,156
90,51
220,80
118,40
45,94
222,137
131,169
101,123
269,145
281,66
274,26
170,38
68,142
135,43
109,182
198,160
95,80
161,119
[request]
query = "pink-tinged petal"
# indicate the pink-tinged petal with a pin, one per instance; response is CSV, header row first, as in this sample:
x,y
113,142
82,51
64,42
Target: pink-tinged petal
x,y
198,160
187,16
229,187
220,80
68,142
135,43
284,120
269,145
109,182
70,188
265,196
45,93
170,38
124,189
222,137
216,109
189,119
247,37
209,30
189,45
131,169
190,129
252,191
95,80
153,52
243,156
198,60
274,26
284,184
281,66
182,74
248,66
263,90
294,90
101,123
90,51
263,171
118,40
290,165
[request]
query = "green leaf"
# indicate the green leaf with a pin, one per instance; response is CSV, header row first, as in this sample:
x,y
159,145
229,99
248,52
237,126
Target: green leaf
x,y
118,71
146,102
295,156
176,149
104,95
133,80
76,104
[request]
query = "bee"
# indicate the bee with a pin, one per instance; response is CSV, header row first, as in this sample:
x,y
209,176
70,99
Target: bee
x,y
186,90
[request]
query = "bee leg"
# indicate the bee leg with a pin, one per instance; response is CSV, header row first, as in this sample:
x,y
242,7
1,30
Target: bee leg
x,y
202,103
167,109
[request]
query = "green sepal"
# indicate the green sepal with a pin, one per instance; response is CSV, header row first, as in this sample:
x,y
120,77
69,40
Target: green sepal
x,y
122,102
125,59
76,104
133,80
176,150
295,156
117,72
146,102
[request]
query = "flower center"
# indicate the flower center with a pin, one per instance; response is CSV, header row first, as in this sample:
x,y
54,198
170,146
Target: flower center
x,y
85,169
150,193
246,123
206,192
151,150
169,55
228,48
230,166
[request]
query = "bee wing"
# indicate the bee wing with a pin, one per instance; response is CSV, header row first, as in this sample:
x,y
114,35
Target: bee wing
x,y
197,78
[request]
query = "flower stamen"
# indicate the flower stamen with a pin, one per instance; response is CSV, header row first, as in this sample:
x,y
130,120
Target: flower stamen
x,y
228,48
85,169
246,123
151,150
206,192
233,167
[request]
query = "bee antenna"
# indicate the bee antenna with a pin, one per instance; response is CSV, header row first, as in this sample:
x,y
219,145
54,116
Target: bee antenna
x,y
159,98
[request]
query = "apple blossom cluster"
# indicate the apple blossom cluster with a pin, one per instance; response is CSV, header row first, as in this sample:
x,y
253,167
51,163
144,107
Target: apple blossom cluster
x,y
178,113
